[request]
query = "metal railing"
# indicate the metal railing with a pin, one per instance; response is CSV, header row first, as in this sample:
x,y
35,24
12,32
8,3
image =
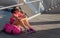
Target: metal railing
x,y
20,5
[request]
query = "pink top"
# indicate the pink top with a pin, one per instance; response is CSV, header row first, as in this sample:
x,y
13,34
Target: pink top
x,y
12,19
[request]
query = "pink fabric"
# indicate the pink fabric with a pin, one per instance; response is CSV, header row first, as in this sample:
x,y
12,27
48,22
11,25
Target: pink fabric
x,y
12,20
8,28
19,15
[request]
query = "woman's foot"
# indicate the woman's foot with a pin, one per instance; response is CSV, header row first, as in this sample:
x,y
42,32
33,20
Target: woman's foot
x,y
31,31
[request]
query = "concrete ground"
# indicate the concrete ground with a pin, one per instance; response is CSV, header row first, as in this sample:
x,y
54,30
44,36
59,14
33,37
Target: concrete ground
x,y
46,26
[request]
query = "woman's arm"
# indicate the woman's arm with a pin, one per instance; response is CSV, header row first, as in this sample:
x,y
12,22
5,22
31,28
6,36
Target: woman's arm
x,y
23,14
16,18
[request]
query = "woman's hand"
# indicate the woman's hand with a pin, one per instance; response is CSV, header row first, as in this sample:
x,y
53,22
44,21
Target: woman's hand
x,y
23,16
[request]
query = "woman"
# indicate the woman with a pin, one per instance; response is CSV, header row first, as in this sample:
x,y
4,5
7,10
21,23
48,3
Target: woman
x,y
19,19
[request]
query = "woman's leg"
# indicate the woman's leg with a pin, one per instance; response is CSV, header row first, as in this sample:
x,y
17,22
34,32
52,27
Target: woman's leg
x,y
26,23
30,29
19,24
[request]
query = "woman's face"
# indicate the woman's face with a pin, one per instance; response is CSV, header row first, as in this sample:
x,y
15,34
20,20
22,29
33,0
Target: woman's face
x,y
17,10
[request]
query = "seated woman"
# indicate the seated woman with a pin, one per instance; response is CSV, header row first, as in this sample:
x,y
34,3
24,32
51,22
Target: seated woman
x,y
19,19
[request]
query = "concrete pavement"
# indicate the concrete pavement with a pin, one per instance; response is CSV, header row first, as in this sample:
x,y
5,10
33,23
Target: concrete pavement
x,y
46,25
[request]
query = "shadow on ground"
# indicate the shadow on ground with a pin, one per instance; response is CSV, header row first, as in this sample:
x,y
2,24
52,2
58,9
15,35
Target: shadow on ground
x,y
52,33
45,22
